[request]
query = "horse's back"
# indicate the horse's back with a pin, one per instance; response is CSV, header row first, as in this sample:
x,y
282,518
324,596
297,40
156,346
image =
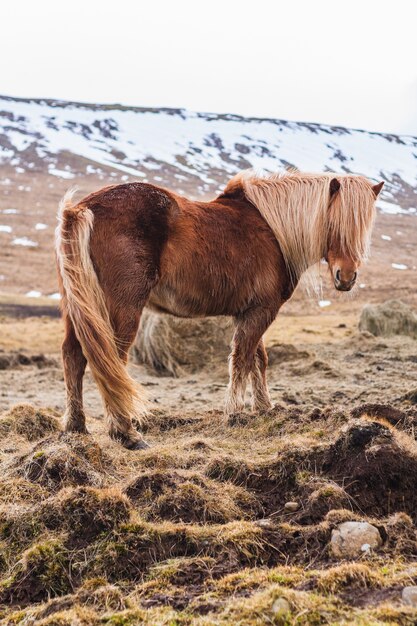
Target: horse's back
x,y
193,258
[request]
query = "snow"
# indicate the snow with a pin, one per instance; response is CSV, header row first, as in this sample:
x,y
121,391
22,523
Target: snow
x,y
60,173
34,294
136,141
386,237
324,303
399,266
5,229
24,241
55,296
389,207
10,211
40,226
93,170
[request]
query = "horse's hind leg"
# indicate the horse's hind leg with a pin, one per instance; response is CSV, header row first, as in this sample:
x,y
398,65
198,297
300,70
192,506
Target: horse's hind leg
x,y
260,395
249,330
125,323
74,368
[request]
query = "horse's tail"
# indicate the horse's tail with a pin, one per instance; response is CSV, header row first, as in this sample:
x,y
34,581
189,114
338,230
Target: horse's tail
x,y
85,303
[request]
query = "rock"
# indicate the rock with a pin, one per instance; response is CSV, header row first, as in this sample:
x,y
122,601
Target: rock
x,y
291,506
265,523
409,595
352,539
280,607
173,346
390,318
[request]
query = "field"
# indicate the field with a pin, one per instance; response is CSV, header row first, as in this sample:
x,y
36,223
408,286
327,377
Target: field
x,y
195,530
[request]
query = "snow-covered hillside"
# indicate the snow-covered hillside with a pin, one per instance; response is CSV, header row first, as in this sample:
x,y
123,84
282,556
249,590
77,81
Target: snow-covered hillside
x,y
196,152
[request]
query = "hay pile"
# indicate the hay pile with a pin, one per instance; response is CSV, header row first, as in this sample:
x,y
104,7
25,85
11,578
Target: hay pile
x,y
173,346
390,318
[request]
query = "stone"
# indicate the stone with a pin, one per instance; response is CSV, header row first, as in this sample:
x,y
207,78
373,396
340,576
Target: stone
x,y
265,522
291,506
281,607
351,539
409,595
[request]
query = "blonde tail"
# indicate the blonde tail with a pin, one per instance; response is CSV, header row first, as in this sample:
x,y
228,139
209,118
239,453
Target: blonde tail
x,y
85,301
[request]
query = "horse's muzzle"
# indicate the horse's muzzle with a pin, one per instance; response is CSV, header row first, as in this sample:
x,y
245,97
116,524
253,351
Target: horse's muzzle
x,y
344,285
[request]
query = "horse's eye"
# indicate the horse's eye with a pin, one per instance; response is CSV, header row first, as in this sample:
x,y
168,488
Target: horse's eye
x,y
338,275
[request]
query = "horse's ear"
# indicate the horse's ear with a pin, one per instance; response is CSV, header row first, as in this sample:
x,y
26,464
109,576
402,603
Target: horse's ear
x,y
377,188
334,186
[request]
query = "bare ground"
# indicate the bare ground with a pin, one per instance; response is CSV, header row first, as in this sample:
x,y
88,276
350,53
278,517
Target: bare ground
x,y
194,531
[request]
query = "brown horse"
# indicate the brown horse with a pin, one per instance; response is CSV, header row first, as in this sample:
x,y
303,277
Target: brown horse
x,y
242,254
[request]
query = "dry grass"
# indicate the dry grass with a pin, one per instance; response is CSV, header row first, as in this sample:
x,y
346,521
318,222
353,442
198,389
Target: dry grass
x,y
349,575
194,531
177,535
28,422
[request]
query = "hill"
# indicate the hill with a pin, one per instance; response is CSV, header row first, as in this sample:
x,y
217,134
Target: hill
x,y
47,146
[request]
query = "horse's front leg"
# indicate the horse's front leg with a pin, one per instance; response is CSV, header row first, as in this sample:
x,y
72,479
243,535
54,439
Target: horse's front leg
x,y
261,400
243,361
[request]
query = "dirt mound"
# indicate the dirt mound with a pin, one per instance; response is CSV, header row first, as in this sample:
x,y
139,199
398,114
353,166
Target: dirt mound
x,y
390,318
383,411
405,420
284,352
196,528
172,346
189,497
85,512
377,466
29,422
369,468
14,489
43,570
315,366
12,360
94,595
68,462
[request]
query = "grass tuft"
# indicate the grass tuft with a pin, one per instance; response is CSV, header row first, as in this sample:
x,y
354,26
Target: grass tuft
x,y
28,422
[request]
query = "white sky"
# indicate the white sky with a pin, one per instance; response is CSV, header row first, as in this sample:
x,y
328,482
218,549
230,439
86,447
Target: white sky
x,y
348,62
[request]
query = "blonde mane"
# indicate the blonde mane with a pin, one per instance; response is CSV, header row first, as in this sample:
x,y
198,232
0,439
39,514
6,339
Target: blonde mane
x,y
305,218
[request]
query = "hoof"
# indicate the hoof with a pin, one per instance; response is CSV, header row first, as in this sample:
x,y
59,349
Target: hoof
x,y
136,445
131,442
74,423
261,408
75,429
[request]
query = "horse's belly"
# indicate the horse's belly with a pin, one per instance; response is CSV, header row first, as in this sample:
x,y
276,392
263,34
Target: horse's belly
x,y
193,302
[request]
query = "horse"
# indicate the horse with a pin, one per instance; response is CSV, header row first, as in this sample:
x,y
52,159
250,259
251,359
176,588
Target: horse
x,y
133,245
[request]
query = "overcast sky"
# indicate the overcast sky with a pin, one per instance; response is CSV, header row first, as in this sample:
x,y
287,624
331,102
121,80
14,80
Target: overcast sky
x,y
348,62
